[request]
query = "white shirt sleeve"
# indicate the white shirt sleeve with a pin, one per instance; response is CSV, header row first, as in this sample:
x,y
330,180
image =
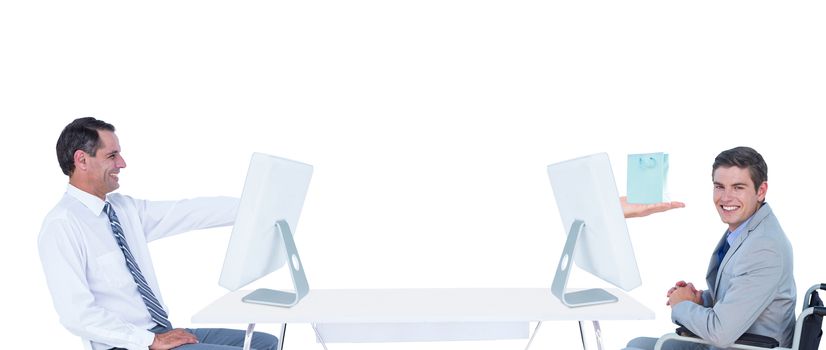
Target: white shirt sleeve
x,y
64,262
166,218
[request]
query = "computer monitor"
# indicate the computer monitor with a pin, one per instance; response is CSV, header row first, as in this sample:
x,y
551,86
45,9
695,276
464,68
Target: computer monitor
x,y
598,241
262,239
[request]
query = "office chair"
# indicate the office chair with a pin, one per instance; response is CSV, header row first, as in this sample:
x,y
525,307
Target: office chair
x,y
807,329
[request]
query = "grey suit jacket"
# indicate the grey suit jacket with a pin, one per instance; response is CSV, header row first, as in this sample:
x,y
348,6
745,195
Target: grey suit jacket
x,y
753,292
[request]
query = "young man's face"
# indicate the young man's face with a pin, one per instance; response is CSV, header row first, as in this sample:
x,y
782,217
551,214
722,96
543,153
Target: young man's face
x,y
103,168
734,195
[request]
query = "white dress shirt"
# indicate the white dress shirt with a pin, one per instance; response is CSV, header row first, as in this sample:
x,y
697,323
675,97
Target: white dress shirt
x,y
93,292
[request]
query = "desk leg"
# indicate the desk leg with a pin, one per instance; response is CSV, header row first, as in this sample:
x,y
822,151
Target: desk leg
x,y
248,336
283,335
598,333
318,335
533,335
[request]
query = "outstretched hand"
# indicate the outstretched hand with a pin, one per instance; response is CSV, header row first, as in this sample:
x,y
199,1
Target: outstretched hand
x,y
633,210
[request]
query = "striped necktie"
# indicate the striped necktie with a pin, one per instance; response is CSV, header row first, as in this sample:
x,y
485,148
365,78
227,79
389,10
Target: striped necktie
x,y
152,304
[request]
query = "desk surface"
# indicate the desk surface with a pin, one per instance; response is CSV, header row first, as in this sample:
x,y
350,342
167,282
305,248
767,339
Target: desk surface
x,y
420,305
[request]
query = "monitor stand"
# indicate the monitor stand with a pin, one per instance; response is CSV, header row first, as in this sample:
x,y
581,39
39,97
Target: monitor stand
x,y
563,270
277,297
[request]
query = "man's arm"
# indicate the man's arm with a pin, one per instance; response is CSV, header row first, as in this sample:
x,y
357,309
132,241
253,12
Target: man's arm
x,y
751,289
166,218
64,263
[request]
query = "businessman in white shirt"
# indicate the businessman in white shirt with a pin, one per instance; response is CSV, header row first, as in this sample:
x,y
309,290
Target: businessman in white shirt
x,y
93,247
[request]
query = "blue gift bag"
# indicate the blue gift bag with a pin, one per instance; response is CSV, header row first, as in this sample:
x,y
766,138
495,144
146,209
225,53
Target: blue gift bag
x,y
647,175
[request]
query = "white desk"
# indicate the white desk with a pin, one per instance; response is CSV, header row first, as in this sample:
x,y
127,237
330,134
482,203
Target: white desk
x,y
420,306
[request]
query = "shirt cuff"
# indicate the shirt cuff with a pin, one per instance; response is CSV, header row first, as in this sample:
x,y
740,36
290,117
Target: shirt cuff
x,y
146,339
705,298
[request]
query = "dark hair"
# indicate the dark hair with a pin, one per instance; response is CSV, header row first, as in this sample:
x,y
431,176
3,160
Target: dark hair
x,y
80,134
744,158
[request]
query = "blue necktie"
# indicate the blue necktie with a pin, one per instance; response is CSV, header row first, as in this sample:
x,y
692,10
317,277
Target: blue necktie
x,y
722,252
152,304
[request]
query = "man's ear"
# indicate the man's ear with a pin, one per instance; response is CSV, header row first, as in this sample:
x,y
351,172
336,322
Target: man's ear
x,y
761,191
80,159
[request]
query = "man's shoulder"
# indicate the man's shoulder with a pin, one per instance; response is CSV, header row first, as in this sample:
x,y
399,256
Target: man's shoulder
x,y
767,232
70,211
60,217
63,209
765,222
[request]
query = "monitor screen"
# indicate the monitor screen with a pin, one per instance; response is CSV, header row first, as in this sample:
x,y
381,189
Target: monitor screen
x,y
585,190
273,190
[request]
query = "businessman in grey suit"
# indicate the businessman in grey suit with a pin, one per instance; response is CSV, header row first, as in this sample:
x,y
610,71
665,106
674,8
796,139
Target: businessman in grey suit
x,y
751,286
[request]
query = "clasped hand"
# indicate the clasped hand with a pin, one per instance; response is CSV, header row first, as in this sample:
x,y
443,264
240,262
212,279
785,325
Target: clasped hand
x,y
683,291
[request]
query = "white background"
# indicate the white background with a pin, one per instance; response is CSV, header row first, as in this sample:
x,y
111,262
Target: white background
x,y
429,123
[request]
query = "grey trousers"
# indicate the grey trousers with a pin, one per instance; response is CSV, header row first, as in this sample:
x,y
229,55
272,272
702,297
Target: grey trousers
x,y
645,343
225,339
228,339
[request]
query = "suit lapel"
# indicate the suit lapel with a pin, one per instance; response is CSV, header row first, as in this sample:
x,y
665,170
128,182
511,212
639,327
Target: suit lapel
x,y
755,221
713,266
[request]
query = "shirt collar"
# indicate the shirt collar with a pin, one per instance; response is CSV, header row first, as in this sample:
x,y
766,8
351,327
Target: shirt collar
x,y
732,236
90,201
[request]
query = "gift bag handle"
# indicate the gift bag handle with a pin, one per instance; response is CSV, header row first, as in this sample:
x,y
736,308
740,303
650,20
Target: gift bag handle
x,y
647,162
